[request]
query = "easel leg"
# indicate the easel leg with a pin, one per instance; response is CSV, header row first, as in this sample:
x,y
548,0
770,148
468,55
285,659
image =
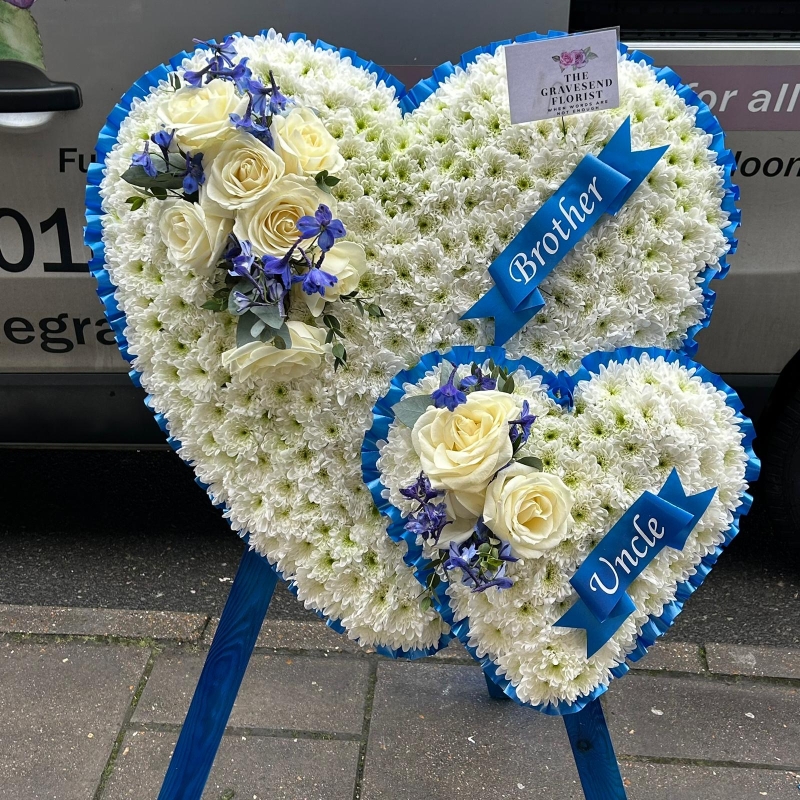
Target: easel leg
x,y
220,680
594,754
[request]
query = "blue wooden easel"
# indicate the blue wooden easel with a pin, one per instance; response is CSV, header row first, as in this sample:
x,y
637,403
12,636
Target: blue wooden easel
x,y
225,666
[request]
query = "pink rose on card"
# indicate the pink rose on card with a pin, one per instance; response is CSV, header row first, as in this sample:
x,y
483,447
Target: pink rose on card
x,y
574,58
578,58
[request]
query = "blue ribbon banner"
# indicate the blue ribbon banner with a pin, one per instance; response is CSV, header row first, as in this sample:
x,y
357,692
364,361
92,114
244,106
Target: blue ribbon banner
x,y
652,523
600,184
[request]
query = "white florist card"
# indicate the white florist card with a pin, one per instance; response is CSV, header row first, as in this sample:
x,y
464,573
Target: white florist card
x,y
562,76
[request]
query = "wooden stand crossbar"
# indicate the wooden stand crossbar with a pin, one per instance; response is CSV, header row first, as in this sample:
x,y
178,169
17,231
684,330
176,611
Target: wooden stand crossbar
x,y
225,666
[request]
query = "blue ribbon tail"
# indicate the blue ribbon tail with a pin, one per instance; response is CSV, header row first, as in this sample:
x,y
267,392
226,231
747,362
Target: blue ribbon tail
x,y
507,320
672,491
597,633
637,165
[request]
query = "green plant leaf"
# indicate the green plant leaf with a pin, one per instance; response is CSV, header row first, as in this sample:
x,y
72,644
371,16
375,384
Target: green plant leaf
x,y
281,334
269,315
410,409
531,461
136,176
246,322
444,375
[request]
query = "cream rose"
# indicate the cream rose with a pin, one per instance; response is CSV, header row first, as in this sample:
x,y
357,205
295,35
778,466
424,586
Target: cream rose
x,y
271,224
242,172
194,236
305,354
201,117
528,509
461,450
304,143
347,262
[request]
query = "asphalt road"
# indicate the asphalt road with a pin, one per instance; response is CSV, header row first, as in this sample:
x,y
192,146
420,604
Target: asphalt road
x,y
130,529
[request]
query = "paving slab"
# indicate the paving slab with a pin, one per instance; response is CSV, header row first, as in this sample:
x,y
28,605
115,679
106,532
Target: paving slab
x,y
124,623
673,657
436,734
697,718
278,692
257,767
297,635
681,782
61,707
769,662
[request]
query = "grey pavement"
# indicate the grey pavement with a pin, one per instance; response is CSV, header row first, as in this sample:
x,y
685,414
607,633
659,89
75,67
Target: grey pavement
x,y
91,705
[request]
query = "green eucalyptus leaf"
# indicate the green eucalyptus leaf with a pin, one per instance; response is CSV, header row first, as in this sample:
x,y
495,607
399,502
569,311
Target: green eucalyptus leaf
x,y
531,461
283,334
331,180
444,375
269,315
257,328
246,322
215,304
425,603
410,409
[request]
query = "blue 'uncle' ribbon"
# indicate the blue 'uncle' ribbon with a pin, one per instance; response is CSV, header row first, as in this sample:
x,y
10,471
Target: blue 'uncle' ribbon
x,y
652,523
599,184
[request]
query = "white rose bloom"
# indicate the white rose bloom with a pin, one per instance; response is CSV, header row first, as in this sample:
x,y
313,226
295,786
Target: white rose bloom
x,y
242,172
271,224
305,354
347,262
528,509
193,235
201,117
461,450
305,144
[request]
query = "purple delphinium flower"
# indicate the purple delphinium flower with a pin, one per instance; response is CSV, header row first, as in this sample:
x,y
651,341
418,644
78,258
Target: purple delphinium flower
x,y
315,281
449,396
277,101
521,428
478,382
499,580
195,177
420,490
279,268
428,522
225,51
240,74
323,225
21,3
163,139
469,558
144,161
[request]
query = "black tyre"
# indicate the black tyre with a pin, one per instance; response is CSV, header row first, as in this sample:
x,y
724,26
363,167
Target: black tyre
x,y
779,483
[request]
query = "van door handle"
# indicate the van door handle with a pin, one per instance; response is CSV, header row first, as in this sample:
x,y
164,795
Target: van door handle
x,y
25,88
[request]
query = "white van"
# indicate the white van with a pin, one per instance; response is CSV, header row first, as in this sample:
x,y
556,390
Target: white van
x,y
62,380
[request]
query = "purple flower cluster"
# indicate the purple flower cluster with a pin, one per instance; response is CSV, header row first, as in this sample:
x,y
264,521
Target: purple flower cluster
x,y
482,560
429,520
172,169
266,280
451,396
264,100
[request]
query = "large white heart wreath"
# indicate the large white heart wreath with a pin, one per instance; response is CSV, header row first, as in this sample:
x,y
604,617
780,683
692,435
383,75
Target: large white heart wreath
x,y
276,242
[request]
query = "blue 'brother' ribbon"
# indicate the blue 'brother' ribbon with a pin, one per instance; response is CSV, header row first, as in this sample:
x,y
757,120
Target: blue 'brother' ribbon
x,y
600,184
652,523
